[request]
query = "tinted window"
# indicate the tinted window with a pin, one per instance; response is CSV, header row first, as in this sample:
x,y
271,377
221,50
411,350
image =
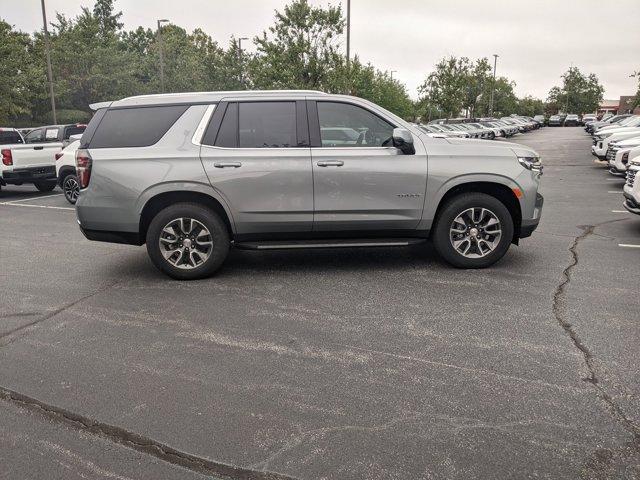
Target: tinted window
x,y
35,136
8,137
135,127
361,128
228,133
73,130
267,125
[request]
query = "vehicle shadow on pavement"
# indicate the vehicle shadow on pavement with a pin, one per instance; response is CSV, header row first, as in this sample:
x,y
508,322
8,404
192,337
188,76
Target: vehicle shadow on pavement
x,y
374,261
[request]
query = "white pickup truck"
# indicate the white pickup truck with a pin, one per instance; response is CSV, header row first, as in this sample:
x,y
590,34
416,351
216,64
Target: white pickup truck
x,y
34,160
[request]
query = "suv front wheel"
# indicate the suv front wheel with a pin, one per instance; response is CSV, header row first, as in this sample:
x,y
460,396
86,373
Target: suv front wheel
x,y
187,241
473,230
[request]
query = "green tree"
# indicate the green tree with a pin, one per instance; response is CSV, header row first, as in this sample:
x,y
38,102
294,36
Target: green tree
x,y
579,93
300,50
530,106
478,87
447,86
22,81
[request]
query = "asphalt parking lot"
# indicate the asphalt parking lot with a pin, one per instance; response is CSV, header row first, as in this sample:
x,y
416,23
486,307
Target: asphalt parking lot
x,y
337,364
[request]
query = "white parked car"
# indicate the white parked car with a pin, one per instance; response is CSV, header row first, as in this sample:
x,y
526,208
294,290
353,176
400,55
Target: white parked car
x,y
631,189
618,155
599,149
34,160
66,170
630,122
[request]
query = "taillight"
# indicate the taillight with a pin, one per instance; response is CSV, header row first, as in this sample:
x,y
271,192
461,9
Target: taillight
x,y
7,159
58,155
83,167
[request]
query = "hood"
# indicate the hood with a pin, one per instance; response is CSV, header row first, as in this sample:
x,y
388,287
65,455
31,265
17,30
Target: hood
x,y
516,148
611,131
622,135
630,142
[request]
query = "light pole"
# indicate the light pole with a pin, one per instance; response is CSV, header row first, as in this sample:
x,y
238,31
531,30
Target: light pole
x,y
161,53
240,59
493,87
348,34
47,49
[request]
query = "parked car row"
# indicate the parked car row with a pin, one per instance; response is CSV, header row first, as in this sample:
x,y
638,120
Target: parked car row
x,y
32,158
482,128
616,144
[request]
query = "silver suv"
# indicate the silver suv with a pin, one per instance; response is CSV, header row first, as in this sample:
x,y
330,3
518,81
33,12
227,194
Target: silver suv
x,y
193,174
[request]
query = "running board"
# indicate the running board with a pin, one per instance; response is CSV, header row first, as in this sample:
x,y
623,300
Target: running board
x,y
342,243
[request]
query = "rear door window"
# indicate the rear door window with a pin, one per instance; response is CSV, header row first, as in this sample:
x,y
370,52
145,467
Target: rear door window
x,y
135,127
267,125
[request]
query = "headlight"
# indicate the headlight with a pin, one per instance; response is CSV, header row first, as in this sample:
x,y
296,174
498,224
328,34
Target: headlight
x,y
531,163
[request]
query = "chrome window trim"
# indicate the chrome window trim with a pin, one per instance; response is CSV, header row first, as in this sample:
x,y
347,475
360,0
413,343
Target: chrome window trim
x,y
202,126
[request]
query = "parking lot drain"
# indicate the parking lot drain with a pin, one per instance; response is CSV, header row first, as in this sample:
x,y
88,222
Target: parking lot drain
x,y
559,311
136,442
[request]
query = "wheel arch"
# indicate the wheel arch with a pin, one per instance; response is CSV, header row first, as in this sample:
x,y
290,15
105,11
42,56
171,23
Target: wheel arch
x,y
157,202
63,172
501,191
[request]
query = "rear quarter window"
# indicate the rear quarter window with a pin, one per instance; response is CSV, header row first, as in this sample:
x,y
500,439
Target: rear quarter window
x,y
9,137
133,127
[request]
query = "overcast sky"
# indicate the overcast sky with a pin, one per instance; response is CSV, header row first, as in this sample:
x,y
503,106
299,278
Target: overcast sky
x,y
536,40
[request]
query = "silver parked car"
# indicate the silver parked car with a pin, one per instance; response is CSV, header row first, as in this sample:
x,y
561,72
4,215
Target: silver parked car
x,y
193,174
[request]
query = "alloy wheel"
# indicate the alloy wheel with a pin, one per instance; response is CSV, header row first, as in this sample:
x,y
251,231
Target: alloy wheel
x,y
475,232
71,189
185,243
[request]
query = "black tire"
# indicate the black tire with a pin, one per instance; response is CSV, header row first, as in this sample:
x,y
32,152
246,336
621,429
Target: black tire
x,y
451,210
492,136
67,185
219,236
45,186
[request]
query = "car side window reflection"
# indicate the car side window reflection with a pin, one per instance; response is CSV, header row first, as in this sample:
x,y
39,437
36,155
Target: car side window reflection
x,y
345,125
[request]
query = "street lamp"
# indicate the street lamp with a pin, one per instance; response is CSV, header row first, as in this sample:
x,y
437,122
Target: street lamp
x,y
493,87
240,59
161,53
47,49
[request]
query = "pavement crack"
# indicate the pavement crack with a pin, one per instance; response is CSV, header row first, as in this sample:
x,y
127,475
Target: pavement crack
x,y
560,314
135,441
6,338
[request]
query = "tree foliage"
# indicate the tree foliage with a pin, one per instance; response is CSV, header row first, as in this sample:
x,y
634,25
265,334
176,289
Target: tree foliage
x,y
579,93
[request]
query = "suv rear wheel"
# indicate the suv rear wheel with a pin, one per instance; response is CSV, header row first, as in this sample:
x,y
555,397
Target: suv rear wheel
x,y
473,230
187,241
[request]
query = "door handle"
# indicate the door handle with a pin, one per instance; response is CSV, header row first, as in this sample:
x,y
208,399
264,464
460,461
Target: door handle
x,y
330,163
227,164
38,148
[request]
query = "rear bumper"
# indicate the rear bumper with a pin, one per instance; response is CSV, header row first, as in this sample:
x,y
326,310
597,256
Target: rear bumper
x,y
28,175
129,238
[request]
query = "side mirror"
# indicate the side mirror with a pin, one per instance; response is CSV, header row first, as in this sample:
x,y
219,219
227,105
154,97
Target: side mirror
x,y
403,140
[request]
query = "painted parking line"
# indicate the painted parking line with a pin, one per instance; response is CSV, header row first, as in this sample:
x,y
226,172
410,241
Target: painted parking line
x,y
620,211
614,191
34,198
11,204
628,245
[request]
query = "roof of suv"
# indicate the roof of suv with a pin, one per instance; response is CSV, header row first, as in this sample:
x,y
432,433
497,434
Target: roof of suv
x,y
200,97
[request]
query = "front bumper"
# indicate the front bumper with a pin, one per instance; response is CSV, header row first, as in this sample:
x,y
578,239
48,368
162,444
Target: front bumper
x,y
28,175
631,205
528,226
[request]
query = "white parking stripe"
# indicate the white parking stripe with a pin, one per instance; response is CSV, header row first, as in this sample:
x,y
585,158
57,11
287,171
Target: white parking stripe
x,y
614,191
619,211
627,245
10,204
34,198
